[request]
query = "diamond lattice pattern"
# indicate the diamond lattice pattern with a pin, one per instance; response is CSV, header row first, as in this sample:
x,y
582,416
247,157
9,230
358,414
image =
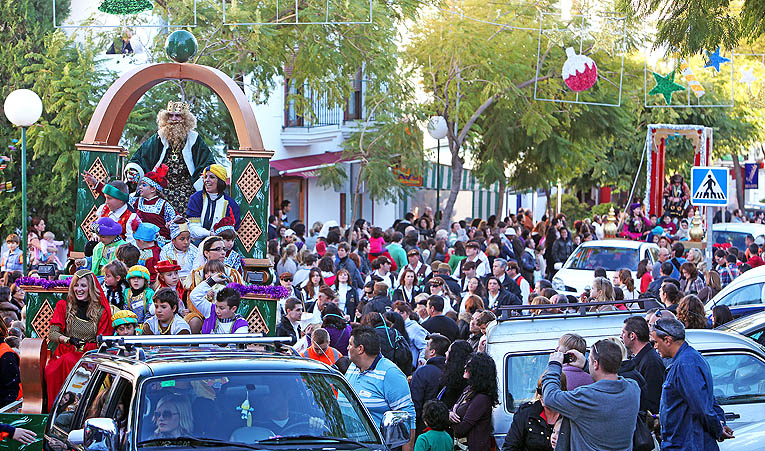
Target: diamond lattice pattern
x,y
85,226
41,322
249,231
257,322
100,173
249,182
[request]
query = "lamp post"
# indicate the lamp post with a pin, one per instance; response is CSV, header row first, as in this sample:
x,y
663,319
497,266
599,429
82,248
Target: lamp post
x,y
23,108
437,129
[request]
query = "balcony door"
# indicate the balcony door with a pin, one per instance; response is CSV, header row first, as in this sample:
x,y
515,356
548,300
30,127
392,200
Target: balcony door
x,y
292,189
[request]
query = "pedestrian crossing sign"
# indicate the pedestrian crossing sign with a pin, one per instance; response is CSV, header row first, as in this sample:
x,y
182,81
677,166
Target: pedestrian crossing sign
x,y
709,186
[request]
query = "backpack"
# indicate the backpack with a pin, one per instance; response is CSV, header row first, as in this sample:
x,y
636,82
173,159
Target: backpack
x,y
402,354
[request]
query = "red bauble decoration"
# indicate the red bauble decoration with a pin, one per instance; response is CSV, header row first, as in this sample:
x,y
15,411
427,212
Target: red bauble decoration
x,y
579,71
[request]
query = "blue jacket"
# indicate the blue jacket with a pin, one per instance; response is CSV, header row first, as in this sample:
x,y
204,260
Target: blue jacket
x,y
424,385
690,415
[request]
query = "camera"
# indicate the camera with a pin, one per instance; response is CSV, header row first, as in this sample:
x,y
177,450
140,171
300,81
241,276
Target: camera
x,y
568,358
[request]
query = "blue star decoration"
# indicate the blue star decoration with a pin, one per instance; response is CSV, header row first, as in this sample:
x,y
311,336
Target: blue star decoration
x,y
715,59
665,86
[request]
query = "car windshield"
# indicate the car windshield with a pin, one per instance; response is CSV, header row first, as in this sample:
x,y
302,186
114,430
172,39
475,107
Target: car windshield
x,y
735,239
249,408
610,258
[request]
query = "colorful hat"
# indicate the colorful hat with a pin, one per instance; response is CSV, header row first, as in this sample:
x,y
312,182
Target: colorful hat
x,y
167,266
146,231
139,271
177,107
156,178
218,170
124,317
178,228
107,227
226,223
113,191
658,230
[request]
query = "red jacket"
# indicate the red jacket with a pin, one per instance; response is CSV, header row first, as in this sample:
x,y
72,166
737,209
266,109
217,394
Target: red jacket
x,y
755,261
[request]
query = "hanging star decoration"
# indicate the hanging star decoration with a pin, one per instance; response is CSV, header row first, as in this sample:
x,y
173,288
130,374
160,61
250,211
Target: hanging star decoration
x,y
715,60
748,77
665,86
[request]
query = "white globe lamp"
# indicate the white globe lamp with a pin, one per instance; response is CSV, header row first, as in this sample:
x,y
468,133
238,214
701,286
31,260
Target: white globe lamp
x,y
437,127
437,130
23,107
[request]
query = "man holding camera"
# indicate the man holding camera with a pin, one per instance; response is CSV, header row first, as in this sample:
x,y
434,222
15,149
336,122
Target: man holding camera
x,y
598,416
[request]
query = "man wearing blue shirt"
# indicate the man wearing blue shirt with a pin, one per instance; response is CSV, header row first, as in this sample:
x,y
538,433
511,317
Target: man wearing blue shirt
x,y
379,382
690,415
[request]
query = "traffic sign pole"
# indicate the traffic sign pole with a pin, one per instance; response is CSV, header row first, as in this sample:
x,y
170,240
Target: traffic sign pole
x,y
710,237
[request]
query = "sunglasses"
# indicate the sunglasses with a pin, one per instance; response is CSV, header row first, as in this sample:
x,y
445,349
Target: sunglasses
x,y
666,333
287,279
164,414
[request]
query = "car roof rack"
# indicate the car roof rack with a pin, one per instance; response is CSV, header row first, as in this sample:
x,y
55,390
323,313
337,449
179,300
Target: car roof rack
x,y
136,343
515,312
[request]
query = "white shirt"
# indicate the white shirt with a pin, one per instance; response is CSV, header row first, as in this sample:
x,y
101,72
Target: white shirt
x,y
176,326
387,279
185,259
115,215
482,266
342,290
525,288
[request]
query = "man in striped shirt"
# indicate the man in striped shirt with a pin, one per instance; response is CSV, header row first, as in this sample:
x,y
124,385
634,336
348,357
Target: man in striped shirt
x,y
379,382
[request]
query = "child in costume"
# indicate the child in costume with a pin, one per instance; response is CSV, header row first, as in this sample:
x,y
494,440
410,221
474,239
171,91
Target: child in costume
x,y
109,240
125,323
144,240
115,206
168,276
12,257
166,321
128,254
150,206
225,230
138,298
205,209
220,311
115,283
180,248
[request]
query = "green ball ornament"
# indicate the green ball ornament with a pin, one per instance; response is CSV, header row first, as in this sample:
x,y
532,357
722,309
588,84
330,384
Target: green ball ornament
x,y
180,46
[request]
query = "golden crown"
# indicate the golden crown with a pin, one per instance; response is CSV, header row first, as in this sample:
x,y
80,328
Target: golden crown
x,y
177,107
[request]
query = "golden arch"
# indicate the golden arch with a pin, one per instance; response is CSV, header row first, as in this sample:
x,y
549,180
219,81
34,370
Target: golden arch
x,y
111,115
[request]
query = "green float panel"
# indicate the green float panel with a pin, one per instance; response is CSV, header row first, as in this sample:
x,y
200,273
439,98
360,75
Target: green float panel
x,y
104,163
40,306
249,188
260,313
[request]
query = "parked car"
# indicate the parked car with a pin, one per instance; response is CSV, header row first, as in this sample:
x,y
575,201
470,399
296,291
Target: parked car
x,y
734,233
122,397
578,271
752,326
743,296
521,346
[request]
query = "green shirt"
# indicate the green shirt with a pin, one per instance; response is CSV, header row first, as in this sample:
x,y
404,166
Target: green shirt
x,y
102,255
434,441
399,255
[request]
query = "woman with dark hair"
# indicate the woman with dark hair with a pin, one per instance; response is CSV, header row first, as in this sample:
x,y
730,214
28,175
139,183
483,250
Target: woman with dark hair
x,y
533,424
691,282
76,322
338,328
670,296
720,315
347,295
440,250
452,382
392,343
712,286
327,267
550,238
644,275
407,289
212,248
311,287
471,415
690,311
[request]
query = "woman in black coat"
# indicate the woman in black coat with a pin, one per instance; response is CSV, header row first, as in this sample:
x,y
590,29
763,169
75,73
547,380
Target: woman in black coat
x,y
471,415
533,424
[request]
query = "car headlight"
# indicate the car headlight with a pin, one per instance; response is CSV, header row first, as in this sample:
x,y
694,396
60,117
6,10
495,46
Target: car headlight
x,y
558,284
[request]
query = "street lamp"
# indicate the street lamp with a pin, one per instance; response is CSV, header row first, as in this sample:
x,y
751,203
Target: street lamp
x,y
437,129
23,108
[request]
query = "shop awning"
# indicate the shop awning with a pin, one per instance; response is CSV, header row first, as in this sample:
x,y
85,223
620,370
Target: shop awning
x,y
306,166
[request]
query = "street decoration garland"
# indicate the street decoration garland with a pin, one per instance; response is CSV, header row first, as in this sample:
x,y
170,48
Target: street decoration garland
x,y
43,283
665,85
579,71
690,78
125,7
715,60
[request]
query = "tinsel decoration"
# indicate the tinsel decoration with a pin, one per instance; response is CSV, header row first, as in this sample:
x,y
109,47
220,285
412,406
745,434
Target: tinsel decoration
x,y
125,7
274,292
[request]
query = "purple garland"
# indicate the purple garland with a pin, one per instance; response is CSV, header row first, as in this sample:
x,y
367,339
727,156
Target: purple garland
x,y
273,292
43,283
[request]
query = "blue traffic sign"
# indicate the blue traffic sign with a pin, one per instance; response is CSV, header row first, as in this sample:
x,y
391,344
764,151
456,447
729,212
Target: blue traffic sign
x,y
709,186
751,175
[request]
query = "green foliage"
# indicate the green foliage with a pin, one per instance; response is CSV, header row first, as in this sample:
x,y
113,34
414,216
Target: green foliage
x,y
603,209
572,208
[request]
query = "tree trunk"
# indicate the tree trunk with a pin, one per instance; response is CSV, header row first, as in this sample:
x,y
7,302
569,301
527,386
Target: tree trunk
x,y
739,180
501,203
456,182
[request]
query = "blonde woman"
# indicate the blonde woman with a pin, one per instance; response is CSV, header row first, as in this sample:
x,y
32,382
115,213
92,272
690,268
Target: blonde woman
x,y
602,290
173,417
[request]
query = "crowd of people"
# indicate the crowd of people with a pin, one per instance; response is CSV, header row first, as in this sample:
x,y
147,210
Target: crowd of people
x,y
402,311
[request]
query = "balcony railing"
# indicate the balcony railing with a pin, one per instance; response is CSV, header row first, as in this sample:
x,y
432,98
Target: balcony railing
x,y
322,112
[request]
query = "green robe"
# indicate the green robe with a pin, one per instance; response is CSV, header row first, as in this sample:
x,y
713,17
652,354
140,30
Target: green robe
x,y
102,255
196,155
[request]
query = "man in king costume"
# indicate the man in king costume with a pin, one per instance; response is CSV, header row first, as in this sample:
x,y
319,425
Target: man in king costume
x,y
177,145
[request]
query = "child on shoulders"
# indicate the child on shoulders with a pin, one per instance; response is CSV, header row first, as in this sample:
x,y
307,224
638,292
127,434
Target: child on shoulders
x,y
166,320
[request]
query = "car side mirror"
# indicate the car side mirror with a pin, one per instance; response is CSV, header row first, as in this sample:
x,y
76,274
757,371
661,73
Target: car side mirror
x,y
395,428
98,434
558,265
